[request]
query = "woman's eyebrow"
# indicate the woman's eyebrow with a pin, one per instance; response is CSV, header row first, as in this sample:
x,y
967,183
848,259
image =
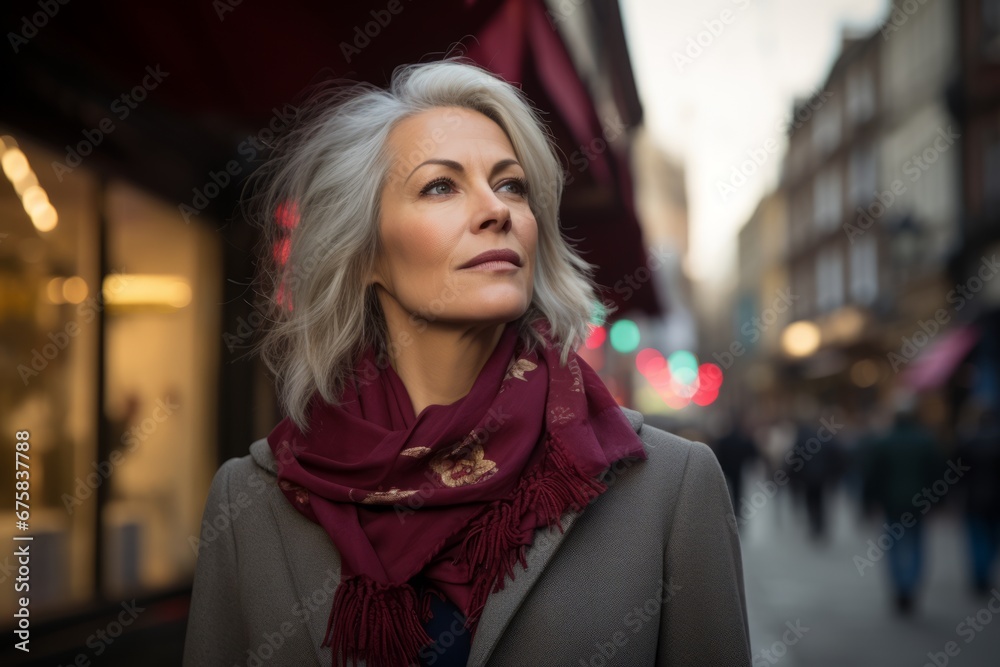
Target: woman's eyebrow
x,y
457,166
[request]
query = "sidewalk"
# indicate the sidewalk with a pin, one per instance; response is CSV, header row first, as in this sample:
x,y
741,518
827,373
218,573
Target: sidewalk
x,y
809,607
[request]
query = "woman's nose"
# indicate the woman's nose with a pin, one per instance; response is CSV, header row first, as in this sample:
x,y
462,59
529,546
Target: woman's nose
x,y
493,212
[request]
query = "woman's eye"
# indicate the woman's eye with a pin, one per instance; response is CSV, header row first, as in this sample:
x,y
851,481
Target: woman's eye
x,y
432,187
520,186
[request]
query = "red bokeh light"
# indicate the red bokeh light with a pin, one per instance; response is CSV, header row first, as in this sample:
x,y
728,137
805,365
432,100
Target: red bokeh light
x,y
650,362
710,376
596,338
281,250
287,215
705,396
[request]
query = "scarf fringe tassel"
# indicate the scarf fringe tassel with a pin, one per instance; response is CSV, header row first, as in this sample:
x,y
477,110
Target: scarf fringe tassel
x,y
376,622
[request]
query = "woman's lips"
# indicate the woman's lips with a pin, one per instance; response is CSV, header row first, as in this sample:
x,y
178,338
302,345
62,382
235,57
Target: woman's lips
x,y
493,266
501,255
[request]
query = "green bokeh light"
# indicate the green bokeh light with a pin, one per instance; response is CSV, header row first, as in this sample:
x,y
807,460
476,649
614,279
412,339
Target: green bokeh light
x,y
624,336
683,366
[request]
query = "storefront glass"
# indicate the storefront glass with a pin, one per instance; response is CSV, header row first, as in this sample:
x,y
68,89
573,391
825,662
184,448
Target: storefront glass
x,y
160,304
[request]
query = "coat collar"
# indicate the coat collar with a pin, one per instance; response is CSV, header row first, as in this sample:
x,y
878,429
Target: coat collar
x,y
315,565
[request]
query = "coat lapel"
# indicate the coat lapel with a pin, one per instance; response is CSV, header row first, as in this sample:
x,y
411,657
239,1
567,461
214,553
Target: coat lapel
x,y
311,558
501,606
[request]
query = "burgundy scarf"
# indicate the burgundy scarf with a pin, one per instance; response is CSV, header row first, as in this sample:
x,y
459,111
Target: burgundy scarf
x,y
454,495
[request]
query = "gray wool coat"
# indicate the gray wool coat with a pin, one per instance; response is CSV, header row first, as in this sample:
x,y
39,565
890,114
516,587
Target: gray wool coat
x,y
647,574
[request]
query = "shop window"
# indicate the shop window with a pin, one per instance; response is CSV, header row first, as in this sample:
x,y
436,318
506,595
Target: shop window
x,y
827,198
862,175
49,302
163,338
158,303
864,269
860,94
829,279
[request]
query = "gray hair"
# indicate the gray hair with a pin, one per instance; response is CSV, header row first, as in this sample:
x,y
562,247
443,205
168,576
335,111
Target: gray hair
x,y
330,169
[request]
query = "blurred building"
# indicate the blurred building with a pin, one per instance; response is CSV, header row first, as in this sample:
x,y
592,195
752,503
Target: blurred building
x,y
764,302
127,294
871,179
662,206
831,278
974,95
661,196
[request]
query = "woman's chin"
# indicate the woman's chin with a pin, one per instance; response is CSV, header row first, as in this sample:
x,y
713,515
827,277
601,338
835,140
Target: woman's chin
x,y
489,311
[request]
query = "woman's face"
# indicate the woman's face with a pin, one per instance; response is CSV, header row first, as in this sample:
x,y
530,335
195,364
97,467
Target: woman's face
x,y
455,190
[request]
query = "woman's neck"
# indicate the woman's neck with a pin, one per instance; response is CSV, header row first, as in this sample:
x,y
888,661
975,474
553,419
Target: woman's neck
x,y
440,363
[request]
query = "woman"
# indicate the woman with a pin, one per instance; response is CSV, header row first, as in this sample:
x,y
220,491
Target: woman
x,y
452,484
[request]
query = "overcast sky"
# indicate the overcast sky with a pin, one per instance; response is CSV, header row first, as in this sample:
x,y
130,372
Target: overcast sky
x,y
709,108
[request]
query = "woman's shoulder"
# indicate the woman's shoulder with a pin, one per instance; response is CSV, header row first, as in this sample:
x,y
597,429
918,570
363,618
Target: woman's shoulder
x,y
245,502
254,470
673,455
672,449
679,482
241,486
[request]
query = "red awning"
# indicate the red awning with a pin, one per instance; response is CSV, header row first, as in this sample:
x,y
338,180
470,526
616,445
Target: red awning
x,y
503,45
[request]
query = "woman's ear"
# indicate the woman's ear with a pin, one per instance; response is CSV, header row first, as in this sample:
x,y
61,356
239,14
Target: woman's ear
x,y
376,274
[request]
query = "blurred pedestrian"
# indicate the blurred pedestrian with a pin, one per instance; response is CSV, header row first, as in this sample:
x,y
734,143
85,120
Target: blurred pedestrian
x,y
858,429
897,466
776,441
734,450
814,468
979,450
